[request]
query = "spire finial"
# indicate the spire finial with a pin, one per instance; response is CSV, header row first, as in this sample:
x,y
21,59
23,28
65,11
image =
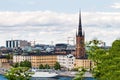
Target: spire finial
x,y
80,25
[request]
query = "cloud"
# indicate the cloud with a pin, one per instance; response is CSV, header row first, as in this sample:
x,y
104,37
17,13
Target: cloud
x,y
47,26
116,5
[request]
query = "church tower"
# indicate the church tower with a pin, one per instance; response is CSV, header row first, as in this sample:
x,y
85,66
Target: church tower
x,y
80,46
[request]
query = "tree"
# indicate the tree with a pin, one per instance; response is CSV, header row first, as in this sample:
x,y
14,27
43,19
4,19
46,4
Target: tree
x,y
15,65
97,55
79,75
110,67
19,73
107,63
41,66
57,66
47,66
25,64
9,57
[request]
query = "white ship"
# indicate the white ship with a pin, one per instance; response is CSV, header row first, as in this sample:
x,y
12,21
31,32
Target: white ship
x,y
44,74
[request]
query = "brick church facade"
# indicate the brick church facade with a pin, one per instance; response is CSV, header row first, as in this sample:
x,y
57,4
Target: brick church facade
x,y
80,41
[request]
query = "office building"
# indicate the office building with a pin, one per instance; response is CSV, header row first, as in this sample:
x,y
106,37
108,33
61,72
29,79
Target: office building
x,y
17,43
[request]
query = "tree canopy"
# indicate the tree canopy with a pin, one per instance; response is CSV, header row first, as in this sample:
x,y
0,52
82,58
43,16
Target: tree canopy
x,y
57,66
23,64
19,73
41,66
107,62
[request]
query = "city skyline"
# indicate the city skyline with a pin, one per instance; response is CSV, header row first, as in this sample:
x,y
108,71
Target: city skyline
x,y
45,21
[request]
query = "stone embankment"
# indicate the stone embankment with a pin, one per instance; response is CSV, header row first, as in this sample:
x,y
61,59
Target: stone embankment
x,y
73,73
67,73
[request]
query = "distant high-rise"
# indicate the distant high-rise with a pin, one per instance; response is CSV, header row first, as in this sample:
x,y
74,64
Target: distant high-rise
x,y
80,46
16,43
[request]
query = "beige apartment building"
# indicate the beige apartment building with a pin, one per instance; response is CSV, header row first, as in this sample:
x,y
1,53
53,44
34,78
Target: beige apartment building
x,y
85,63
36,60
43,59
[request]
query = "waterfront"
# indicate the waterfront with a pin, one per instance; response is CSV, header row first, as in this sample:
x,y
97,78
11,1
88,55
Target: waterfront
x,y
60,78
56,78
2,77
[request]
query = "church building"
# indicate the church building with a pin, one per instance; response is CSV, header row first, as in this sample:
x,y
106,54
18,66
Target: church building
x,y
80,41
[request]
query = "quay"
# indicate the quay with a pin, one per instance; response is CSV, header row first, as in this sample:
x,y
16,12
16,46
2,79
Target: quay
x,y
73,73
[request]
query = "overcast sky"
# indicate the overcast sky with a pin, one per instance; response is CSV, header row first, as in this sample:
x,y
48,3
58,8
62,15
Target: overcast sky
x,y
47,21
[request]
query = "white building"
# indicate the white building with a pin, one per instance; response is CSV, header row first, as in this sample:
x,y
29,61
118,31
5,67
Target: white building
x,y
66,61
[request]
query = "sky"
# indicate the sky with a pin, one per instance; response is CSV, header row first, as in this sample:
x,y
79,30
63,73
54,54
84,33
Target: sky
x,y
56,21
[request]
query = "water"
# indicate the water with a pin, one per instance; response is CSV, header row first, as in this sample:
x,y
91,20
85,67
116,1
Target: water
x,y
2,77
56,78
60,78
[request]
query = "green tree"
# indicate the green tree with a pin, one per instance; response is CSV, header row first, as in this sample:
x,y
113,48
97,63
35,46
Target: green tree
x,y
25,64
19,73
47,66
97,55
79,75
110,67
15,65
57,66
41,66
107,63
9,57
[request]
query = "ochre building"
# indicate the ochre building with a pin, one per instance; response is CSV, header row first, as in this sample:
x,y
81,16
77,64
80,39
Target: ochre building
x,y
82,63
36,60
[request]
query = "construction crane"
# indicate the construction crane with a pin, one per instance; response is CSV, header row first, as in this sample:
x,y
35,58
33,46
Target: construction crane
x,y
71,39
32,43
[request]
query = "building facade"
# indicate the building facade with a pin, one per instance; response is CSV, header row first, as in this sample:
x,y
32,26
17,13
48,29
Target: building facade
x,y
43,59
4,63
80,46
19,58
66,61
36,60
17,43
82,63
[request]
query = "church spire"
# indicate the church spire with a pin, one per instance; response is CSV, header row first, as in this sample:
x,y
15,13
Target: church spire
x,y
80,25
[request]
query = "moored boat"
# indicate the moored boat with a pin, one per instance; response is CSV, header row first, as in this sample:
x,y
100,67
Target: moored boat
x,y
44,74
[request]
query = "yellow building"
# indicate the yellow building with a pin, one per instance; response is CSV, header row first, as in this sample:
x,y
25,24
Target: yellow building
x,y
36,60
85,63
43,59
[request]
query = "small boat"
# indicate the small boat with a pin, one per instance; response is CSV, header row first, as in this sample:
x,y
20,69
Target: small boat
x,y
44,74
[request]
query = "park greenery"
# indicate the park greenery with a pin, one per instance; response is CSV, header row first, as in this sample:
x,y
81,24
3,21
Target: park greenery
x,y
23,64
19,73
57,66
106,62
41,66
79,75
46,66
